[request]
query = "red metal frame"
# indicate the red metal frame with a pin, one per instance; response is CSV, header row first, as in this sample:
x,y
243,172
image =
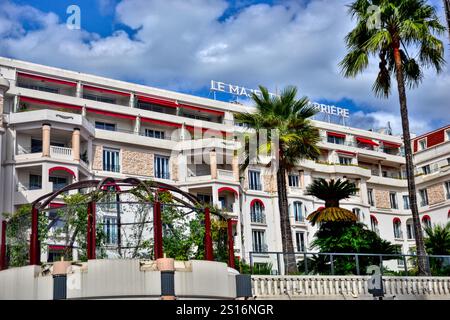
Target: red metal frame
x,y
231,263
91,231
157,231
3,247
35,250
209,255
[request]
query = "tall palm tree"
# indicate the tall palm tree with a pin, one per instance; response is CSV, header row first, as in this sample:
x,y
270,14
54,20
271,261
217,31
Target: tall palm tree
x,y
331,192
403,25
447,14
297,140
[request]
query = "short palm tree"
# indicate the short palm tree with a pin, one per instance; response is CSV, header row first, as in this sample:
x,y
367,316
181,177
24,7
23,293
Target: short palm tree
x,y
297,140
331,192
391,34
437,239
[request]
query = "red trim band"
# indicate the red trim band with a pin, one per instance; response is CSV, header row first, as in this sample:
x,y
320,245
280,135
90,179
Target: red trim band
x,y
57,247
45,79
161,122
59,168
391,144
50,103
185,106
346,152
161,102
111,114
103,90
56,205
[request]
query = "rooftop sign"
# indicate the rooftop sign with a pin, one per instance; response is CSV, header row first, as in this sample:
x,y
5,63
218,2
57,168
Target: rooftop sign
x,y
246,92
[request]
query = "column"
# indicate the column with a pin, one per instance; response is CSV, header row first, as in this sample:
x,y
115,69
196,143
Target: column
x,y
76,144
46,140
235,167
137,124
79,92
132,99
90,153
301,177
213,164
380,172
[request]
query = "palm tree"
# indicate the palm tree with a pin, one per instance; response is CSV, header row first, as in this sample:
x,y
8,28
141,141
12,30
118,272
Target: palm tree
x,y
438,239
403,25
297,139
331,192
447,13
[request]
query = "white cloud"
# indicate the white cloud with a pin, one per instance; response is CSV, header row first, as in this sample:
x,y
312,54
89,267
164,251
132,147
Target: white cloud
x,y
182,44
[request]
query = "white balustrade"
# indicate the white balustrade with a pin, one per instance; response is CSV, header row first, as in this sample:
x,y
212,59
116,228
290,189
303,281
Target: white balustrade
x,y
61,152
347,287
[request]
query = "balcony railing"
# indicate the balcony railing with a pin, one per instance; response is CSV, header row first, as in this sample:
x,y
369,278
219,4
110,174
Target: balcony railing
x,y
162,175
258,218
225,174
255,186
263,248
111,168
60,152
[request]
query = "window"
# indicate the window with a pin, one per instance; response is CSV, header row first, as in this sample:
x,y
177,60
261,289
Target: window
x,y
105,126
370,196
357,213
374,224
397,229
398,250
447,134
406,203
35,182
58,182
293,181
393,199
111,160
162,167
335,140
426,222
426,169
300,241
38,87
297,211
204,198
422,144
410,229
109,201
423,197
345,161
55,253
154,134
98,98
259,241
56,219
257,212
254,182
36,145
447,189
110,229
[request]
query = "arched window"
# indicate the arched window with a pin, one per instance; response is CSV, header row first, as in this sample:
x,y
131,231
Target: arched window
x,y
374,224
397,224
357,213
426,221
257,211
410,229
297,211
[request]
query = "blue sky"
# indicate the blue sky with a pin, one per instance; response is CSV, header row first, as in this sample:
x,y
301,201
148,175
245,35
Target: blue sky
x,y
183,44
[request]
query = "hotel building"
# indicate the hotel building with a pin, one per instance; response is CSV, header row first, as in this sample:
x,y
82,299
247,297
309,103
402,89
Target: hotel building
x,y
59,127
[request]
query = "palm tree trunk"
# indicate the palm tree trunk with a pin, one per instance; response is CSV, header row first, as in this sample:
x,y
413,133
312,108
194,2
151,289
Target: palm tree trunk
x,y
422,260
447,14
290,266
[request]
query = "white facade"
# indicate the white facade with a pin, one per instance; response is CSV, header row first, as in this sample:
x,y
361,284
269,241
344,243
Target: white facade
x,y
61,126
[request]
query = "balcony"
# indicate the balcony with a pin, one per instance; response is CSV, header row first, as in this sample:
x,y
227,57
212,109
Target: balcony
x,y
225,175
61,153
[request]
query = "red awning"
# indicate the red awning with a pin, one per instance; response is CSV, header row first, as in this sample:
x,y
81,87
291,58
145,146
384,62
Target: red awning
x,y
426,218
212,131
161,122
62,169
112,114
257,200
46,79
103,90
396,220
366,141
335,134
185,106
374,218
391,144
161,102
227,189
49,103
346,152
